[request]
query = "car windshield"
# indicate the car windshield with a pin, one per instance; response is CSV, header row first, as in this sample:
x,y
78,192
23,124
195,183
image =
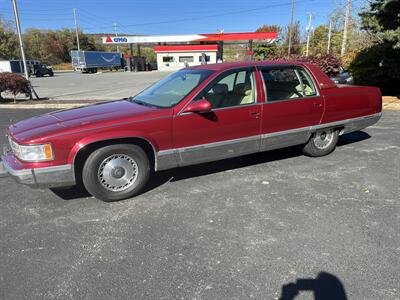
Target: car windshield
x,y
172,89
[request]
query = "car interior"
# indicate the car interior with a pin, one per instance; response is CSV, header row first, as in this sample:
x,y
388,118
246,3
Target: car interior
x,y
284,84
233,90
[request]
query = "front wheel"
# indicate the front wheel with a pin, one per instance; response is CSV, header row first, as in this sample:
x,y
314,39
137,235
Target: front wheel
x,y
321,143
116,172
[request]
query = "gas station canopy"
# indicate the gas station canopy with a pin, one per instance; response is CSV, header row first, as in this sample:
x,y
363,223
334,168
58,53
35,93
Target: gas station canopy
x,y
240,37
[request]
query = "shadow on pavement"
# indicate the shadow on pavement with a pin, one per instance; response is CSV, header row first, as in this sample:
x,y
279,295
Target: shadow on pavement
x,y
160,178
325,287
352,137
71,192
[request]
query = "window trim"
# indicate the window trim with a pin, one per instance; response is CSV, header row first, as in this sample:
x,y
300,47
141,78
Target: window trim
x,y
294,67
217,78
310,77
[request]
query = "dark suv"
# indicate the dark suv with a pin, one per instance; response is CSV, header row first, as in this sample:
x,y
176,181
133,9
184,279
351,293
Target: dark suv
x,y
41,70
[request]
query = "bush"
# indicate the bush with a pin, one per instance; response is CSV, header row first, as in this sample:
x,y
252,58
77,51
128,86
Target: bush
x,y
14,84
328,63
379,66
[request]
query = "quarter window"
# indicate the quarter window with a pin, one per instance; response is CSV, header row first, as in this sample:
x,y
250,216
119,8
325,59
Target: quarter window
x,y
308,85
233,90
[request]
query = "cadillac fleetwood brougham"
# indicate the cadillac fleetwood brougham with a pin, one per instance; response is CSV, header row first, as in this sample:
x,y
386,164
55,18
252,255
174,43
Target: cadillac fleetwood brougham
x,y
195,115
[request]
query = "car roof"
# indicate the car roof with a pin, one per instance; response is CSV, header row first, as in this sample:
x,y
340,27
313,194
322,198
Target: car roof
x,y
238,64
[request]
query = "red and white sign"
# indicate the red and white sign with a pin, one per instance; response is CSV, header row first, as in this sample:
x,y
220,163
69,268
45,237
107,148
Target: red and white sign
x,y
267,37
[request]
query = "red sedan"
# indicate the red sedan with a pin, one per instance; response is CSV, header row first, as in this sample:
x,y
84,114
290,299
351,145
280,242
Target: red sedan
x,y
194,115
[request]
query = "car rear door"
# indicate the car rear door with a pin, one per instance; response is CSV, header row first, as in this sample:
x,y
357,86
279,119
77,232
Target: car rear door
x,y
292,105
231,128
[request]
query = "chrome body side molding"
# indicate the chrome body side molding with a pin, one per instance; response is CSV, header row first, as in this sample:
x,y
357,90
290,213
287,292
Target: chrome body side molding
x,y
351,125
287,138
172,158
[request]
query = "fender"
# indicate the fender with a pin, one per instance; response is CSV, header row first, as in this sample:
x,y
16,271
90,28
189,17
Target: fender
x,y
109,136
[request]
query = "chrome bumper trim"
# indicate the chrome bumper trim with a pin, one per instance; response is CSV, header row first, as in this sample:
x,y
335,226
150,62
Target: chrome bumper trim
x,y
47,177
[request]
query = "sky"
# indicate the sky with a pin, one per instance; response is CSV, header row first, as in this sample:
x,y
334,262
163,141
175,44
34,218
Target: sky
x,y
159,17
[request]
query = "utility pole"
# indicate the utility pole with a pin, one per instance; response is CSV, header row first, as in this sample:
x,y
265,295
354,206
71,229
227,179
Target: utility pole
x,y
290,29
76,30
346,24
116,34
309,28
328,49
21,45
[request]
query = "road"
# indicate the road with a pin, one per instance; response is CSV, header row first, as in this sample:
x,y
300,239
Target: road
x,y
99,86
242,228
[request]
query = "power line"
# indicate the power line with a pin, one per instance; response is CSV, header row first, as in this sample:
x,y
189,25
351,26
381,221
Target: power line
x,y
214,15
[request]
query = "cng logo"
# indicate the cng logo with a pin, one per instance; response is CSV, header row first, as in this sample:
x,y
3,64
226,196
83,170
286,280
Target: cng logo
x,y
120,40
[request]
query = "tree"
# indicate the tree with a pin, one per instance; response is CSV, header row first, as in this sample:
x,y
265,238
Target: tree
x,y
263,51
383,20
296,39
8,41
380,64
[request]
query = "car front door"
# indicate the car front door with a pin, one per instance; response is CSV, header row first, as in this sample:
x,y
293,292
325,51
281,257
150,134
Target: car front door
x,y
231,128
292,106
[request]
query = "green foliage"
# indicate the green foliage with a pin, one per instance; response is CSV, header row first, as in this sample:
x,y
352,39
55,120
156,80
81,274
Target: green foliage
x,y
265,51
379,64
296,48
54,47
8,41
383,20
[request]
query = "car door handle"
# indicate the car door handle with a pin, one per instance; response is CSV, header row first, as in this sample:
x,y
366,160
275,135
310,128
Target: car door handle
x,y
317,104
255,114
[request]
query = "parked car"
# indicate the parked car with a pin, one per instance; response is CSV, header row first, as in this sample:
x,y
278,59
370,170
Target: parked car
x,y
343,77
152,66
40,70
194,115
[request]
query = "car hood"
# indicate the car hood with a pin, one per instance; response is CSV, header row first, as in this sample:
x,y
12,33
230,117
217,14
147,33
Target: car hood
x,y
60,122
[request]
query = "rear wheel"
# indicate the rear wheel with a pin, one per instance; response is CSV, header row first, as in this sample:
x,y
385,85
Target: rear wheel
x,y
322,142
116,172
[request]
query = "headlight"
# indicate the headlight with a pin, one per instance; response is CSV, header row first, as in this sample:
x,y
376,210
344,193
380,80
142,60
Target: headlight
x,y
32,153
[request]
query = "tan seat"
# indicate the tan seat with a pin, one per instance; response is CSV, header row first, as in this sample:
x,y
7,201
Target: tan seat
x,y
217,95
243,93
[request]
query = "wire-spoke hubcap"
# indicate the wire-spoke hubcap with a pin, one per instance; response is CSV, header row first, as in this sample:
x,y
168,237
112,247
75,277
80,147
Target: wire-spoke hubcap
x,y
118,172
323,139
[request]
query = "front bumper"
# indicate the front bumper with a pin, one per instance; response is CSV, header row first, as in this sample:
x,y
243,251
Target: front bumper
x,y
55,176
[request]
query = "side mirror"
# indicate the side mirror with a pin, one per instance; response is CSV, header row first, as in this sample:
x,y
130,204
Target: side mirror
x,y
198,106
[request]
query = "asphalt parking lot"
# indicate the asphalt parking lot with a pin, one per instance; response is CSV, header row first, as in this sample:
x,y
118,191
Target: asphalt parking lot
x,y
99,86
252,227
